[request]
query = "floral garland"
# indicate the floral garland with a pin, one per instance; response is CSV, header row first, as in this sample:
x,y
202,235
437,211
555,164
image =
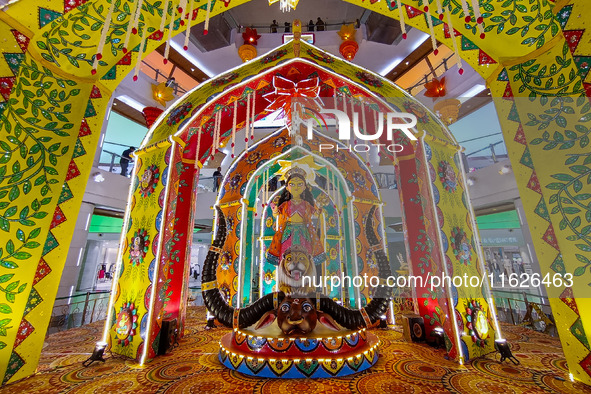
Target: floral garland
x,y
271,57
322,57
224,79
369,79
179,114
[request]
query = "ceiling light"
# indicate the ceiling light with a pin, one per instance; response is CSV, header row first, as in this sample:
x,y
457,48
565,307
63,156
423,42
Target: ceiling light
x,y
407,63
131,102
192,69
473,91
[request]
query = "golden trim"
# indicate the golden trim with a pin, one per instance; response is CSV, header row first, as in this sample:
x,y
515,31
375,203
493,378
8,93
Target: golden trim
x,y
495,74
560,4
532,55
10,21
209,285
368,202
188,161
178,140
230,204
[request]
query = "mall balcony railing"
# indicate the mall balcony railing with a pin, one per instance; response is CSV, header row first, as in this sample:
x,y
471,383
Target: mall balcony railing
x,y
525,309
78,310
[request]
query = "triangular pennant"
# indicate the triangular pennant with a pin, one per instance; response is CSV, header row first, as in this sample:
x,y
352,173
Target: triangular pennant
x,y
520,136
568,298
84,129
542,211
550,237
71,4
34,300
47,15
534,184
50,244
6,85
42,271
572,38
526,159
111,74
58,218
579,332
24,330
483,58
14,61
563,15
446,31
21,39
90,111
15,363
583,63
468,45
95,93
73,171
503,76
586,363
262,84
513,114
65,195
78,149
293,71
330,83
125,60
412,12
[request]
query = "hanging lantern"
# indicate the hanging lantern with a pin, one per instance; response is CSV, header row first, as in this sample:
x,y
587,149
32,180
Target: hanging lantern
x,y
347,32
151,114
448,110
349,49
250,36
247,52
435,88
162,93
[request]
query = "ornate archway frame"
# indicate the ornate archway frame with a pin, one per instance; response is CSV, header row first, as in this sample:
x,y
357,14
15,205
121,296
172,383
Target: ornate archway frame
x,y
45,62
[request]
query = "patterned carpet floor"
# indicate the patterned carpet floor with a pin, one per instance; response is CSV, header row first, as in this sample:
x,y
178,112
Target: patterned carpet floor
x,y
193,367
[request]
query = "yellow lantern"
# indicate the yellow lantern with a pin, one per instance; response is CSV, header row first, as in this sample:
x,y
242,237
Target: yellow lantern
x,y
247,52
448,110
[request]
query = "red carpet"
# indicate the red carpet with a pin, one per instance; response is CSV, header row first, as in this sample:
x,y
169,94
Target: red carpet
x,y
193,367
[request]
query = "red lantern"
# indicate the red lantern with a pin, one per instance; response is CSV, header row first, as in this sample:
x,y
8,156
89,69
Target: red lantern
x,y
250,36
349,49
435,88
151,114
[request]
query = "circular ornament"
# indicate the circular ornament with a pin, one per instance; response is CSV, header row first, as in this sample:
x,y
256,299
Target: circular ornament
x,y
139,246
447,176
149,180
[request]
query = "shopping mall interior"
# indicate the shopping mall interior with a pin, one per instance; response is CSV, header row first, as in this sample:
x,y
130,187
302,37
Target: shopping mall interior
x,y
162,163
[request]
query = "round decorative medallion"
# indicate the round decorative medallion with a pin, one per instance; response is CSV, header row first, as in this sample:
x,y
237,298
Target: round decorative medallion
x,y
149,180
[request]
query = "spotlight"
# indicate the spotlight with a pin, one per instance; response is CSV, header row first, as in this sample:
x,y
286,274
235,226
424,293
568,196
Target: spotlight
x,y
504,349
438,336
171,81
97,354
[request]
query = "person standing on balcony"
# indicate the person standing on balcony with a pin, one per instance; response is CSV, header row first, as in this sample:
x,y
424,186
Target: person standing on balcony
x,y
125,159
274,26
217,179
311,25
319,24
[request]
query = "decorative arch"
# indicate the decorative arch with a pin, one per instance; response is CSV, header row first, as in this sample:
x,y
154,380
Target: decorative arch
x,y
518,56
